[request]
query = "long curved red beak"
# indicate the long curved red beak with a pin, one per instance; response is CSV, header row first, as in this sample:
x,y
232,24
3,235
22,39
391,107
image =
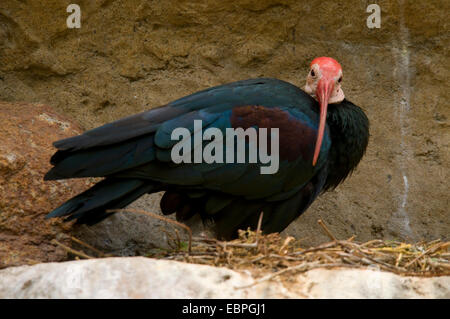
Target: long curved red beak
x,y
323,93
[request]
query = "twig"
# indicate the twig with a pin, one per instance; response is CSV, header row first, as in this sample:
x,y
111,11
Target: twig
x,y
70,250
253,260
321,247
100,253
168,220
327,231
285,244
379,241
399,259
252,245
325,256
169,239
365,258
428,251
438,264
225,244
258,228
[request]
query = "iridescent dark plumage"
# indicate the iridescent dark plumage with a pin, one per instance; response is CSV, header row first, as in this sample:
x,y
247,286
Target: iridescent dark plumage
x,y
134,156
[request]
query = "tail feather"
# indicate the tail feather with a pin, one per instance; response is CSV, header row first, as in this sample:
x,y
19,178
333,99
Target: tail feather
x,y
91,206
102,161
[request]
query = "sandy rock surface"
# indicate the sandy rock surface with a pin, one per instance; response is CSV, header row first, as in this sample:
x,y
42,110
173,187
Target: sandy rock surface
x,y
139,277
26,135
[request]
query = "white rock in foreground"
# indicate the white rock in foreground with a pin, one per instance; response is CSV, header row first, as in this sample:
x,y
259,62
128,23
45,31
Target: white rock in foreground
x,y
139,277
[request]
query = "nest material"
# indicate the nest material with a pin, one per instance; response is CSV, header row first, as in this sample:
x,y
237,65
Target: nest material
x,y
276,255
269,256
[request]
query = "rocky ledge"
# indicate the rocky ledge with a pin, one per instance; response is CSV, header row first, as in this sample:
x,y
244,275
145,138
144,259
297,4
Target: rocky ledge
x,y
139,277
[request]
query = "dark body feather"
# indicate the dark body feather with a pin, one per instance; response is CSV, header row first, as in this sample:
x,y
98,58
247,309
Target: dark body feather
x,y
133,154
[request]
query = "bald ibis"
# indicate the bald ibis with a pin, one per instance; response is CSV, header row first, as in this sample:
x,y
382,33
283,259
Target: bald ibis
x,y
321,139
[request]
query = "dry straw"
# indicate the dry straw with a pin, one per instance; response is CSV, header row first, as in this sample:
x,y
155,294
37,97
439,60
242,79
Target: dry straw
x,y
269,256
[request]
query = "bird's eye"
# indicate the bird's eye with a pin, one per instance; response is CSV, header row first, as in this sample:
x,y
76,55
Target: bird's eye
x,y
312,73
340,79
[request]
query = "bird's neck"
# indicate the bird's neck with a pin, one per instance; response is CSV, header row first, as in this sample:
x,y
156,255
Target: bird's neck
x,y
349,128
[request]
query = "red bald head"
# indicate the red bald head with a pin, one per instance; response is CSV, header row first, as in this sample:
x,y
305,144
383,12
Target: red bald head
x,y
327,64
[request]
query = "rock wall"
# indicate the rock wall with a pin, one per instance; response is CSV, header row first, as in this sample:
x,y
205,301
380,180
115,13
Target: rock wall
x,y
26,135
132,55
